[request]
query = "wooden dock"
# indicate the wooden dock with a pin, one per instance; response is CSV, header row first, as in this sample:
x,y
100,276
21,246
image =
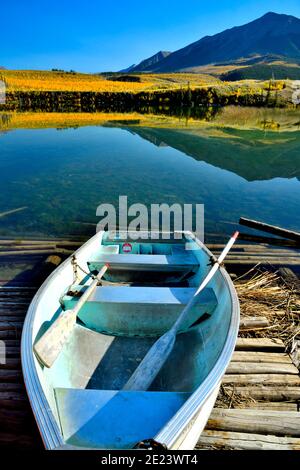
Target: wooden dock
x,y
261,391
258,404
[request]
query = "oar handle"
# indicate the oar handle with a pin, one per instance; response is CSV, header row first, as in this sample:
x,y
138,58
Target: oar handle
x,y
210,275
228,247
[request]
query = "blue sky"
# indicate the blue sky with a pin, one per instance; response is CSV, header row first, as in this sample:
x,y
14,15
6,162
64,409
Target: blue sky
x,y
98,35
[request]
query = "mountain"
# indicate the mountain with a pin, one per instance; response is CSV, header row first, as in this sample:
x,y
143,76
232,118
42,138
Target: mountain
x,y
129,69
149,63
273,35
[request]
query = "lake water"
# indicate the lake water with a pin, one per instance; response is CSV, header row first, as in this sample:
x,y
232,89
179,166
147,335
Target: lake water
x,y
61,176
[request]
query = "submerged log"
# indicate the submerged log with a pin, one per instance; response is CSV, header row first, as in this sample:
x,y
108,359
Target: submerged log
x,y
274,230
269,240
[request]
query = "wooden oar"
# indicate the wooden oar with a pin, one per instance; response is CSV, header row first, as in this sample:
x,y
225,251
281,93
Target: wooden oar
x,y
152,363
51,343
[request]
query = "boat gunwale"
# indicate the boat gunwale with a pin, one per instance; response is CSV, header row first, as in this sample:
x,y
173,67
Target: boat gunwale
x,y
183,419
50,430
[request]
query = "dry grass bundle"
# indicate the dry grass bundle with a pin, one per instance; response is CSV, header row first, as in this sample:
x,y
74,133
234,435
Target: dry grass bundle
x,y
265,294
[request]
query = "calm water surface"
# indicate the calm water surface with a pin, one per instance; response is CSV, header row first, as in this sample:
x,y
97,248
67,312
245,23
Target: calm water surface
x,y
61,176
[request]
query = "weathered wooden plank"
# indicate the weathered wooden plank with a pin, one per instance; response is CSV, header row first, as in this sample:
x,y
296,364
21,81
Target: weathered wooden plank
x,y
15,420
52,251
15,342
218,247
272,405
261,368
261,392
12,309
259,344
247,441
256,356
10,334
10,375
12,386
11,363
55,241
253,322
14,440
27,246
288,253
14,294
12,351
13,400
12,395
261,422
262,379
11,318
252,260
8,325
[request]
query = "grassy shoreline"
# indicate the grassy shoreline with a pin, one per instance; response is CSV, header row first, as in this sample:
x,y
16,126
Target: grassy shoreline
x,y
62,91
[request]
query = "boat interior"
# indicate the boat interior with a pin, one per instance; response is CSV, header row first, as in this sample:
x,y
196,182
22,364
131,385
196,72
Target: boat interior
x,y
147,285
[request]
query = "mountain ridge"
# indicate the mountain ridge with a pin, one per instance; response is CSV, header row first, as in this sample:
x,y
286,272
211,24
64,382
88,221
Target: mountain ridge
x,y
273,34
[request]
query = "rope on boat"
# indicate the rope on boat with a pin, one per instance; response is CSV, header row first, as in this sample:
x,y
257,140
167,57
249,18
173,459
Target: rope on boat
x,y
77,266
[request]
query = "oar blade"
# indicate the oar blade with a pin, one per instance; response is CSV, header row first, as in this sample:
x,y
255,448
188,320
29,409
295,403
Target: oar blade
x,y
48,347
152,363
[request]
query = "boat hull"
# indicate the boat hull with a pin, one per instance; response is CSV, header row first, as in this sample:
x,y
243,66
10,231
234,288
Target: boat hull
x,y
184,426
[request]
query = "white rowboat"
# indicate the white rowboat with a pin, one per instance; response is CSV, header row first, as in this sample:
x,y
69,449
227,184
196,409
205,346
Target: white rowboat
x,y
79,400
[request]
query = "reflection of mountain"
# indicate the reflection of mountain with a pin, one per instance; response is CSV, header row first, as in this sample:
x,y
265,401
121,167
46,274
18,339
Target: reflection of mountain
x,y
253,155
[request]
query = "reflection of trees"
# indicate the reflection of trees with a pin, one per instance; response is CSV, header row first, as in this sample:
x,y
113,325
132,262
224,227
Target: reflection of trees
x,y
241,152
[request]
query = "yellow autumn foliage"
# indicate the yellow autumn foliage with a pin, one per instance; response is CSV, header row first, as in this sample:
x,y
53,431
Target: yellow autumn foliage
x,y
24,80
31,80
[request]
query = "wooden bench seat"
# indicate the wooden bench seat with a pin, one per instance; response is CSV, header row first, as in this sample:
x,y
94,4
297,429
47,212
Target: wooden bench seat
x,y
145,311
